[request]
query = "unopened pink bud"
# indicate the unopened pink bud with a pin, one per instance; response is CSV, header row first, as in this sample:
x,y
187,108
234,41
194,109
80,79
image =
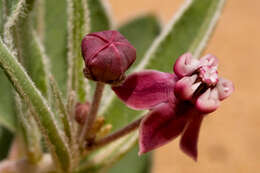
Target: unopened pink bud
x,y
107,56
81,112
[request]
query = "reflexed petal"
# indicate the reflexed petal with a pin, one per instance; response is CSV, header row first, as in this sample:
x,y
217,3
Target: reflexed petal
x,y
161,125
189,139
208,101
146,89
185,65
225,88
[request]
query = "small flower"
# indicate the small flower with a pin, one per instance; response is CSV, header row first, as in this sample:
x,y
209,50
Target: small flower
x,y
107,56
177,102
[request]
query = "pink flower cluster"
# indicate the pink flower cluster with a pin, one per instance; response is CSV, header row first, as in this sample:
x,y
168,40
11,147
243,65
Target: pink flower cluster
x,y
178,102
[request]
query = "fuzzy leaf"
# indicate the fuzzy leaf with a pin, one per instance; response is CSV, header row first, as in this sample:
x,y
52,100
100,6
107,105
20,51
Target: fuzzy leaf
x,y
30,131
103,159
7,111
31,95
2,18
138,164
141,32
22,41
55,39
5,142
20,37
60,106
35,60
78,26
189,31
99,16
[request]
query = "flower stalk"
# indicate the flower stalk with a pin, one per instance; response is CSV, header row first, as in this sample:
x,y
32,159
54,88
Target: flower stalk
x,y
90,119
116,135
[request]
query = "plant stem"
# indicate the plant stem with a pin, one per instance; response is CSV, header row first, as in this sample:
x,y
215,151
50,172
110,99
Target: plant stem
x,y
93,112
116,135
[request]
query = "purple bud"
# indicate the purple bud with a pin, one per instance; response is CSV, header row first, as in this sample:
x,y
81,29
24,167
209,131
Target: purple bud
x,y
81,112
107,56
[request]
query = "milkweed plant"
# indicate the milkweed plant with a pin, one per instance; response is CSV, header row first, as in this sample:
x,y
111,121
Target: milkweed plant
x,y
81,94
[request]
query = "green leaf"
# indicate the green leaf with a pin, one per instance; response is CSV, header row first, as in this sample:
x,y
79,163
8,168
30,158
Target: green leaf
x,y
2,18
42,112
61,109
78,26
20,37
141,32
99,16
104,158
189,31
34,59
30,131
5,142
55,39
7,106
7,113
135,163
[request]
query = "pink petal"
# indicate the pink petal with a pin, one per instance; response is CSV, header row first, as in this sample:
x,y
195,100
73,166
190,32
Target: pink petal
x,y
161,125
186,65
144,90
189,139
225,88
208,101
185,87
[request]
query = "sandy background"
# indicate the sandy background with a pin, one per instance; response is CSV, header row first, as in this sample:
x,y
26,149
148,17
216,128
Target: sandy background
x,y
230,138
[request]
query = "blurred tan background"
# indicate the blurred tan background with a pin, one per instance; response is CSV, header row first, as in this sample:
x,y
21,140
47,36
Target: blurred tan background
x,y
230,138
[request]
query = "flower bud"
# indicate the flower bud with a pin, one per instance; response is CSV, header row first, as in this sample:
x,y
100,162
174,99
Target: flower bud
x,y
81,112
107,56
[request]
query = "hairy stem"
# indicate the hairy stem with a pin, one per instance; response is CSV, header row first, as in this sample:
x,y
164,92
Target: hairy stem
x,y
116,135
93,111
